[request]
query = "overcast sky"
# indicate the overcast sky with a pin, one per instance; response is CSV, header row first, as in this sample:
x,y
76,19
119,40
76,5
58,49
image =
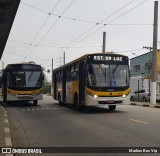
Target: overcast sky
x,y
44,29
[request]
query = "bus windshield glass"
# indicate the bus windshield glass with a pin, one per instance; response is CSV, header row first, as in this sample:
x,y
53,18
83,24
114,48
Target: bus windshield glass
x,y
107,75
24,79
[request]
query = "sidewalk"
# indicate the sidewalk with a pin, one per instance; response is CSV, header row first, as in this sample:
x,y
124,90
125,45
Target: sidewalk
x,y
5,136
145,104
2,125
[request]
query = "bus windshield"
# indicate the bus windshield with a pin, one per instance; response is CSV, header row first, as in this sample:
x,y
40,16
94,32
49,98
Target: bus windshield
x,y
107,75
24,79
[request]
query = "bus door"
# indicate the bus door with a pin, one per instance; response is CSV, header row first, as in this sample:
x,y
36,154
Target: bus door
x,y
55,85
64,85
81,82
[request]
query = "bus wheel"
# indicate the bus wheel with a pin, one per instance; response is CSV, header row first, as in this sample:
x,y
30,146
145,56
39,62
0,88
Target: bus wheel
x,y
59,99
132,98
112,107
144,99
35,102
8,103
77,105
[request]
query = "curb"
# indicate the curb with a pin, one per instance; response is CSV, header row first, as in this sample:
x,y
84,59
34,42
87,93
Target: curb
x,y
145,105
7,134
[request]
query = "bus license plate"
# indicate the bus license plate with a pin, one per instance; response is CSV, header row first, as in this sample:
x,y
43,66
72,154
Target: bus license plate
x,y
110,101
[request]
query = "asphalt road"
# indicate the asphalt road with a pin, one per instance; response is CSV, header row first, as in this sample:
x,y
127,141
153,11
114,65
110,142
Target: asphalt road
x,y
52,125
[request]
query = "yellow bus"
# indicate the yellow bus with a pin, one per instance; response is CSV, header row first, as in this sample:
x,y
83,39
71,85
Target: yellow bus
x,y
22,82
99,79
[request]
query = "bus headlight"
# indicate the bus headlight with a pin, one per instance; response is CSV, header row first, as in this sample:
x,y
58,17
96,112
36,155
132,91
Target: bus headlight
x,y
125,95
93,95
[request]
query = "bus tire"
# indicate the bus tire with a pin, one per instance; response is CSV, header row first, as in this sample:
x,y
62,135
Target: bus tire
x,y
144,99
75,100
8,103
59,99
35,102
132,98
77,105
112,107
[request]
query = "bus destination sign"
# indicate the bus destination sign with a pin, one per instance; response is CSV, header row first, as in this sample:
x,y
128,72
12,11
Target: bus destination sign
x,y
107,58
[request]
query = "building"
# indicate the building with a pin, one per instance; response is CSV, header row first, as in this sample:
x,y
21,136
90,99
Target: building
x,y
141,70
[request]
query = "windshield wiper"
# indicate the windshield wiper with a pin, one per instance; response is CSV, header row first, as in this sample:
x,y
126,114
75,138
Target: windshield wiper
x,y
113,71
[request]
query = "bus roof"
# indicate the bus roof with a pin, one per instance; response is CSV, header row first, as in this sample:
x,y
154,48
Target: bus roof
x,y
22,64
85,56
18,65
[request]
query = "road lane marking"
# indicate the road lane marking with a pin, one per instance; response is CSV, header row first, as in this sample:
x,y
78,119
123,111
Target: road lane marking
x,y
6,130
140,121
8,141
39,109
5,115
6,121
7,135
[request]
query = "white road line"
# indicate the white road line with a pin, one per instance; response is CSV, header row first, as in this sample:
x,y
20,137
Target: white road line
x,y
8,141
55,108
9,155
6,121
140,121
6,130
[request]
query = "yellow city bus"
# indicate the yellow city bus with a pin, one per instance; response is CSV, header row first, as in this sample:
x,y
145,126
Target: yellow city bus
x,y
22,82
100,79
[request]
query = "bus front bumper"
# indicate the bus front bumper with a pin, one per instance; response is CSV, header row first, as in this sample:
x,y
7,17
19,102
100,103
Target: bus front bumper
x,y
24,97
101,101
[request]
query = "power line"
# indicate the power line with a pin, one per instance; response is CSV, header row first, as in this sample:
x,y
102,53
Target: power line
x,y
52,26
48,46
60,16
56,21
95,26
109,22
35,7
124,51
81,20
91,29
101,22
41,27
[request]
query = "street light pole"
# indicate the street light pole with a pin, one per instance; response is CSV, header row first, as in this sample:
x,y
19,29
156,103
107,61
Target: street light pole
x,y
154,55
52,79
104,42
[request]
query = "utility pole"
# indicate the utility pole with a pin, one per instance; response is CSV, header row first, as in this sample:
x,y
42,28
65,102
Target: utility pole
x,y
104,42
154,55
64,58
52,79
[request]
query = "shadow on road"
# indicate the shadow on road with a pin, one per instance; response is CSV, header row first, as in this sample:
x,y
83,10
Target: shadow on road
x,y
19,104
90,110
